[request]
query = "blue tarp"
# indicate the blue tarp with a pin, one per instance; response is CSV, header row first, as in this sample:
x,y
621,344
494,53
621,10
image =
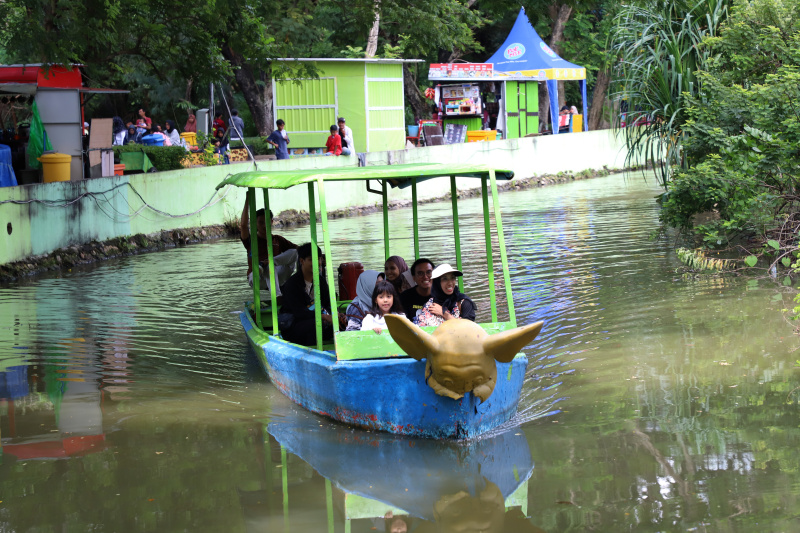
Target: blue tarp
x,y
524,50
7,176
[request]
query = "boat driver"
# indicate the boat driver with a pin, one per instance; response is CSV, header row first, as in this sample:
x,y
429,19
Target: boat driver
x,y
415,298
285,251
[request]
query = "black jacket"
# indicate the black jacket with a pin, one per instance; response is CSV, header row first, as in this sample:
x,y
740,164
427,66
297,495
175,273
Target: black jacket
x,y
296,301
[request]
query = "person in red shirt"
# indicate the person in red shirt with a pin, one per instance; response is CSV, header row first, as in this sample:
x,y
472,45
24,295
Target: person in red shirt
x,y
144,123
218,124
334,143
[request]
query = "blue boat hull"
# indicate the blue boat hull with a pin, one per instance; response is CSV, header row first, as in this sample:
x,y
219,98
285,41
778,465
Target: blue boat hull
x,y
383,394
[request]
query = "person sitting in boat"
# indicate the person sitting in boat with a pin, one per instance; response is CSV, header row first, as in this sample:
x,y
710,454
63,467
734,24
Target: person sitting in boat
x,y
415,298
296,318
385,301
362,303
397,274
285,251
446,301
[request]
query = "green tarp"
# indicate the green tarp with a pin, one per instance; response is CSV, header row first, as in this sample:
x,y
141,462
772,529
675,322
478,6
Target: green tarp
x,y
38,139
135,161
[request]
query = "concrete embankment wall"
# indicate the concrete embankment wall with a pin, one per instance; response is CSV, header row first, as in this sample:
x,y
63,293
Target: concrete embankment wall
x,y
39,219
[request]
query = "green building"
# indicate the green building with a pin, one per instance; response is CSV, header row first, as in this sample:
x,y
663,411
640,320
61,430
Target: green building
x,y
368,93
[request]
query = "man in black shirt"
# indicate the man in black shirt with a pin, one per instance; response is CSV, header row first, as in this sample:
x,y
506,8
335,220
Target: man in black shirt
x,y
299,326
415,298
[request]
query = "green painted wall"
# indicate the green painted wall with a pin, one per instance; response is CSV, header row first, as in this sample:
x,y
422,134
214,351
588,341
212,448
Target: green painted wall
x,y
309,126
104,208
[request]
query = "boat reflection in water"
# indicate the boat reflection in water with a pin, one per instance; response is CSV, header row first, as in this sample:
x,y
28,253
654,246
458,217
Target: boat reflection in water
x,y
389,483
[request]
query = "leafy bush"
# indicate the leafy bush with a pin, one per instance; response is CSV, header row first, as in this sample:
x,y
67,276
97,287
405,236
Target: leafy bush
x,y
743,132
162,157
258,145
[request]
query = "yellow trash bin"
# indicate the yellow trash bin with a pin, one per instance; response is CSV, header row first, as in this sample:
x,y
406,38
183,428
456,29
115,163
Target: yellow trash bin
x,y
190,137
55,167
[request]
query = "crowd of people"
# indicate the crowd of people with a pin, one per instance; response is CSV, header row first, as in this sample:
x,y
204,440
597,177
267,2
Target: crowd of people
x,y
340,142
426,294
135,131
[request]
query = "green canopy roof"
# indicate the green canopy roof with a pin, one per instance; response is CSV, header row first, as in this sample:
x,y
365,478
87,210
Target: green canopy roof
x,y
397,175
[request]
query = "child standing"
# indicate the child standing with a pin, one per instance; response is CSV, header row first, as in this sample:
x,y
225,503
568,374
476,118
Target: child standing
x,y
385,301
334,144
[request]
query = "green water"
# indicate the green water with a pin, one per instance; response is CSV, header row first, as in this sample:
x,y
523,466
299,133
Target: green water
x,y
129,400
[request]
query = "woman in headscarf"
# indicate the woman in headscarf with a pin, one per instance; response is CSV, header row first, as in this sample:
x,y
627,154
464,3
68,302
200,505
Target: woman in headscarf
x,y
359,308
446,302
172,133
133,135
395,269
191,123
120,132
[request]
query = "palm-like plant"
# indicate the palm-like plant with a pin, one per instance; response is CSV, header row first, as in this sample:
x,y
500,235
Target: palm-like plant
x,y
659,44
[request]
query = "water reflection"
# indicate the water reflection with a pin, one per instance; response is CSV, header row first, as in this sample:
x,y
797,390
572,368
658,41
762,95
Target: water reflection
x,y
398,484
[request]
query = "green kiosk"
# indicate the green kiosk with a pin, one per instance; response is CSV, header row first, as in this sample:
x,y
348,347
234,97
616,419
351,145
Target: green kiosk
x,y
368,93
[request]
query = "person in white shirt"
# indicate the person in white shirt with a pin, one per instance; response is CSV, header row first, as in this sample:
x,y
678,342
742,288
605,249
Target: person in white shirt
x,y
348,145
385,301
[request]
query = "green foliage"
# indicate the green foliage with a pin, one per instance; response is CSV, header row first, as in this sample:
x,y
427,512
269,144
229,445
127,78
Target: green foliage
x,y
207,155
351,52
660,48
698,260
163,157
742,132
258,145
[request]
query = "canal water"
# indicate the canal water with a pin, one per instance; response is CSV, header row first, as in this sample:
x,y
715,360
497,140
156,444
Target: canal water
x,y
654,401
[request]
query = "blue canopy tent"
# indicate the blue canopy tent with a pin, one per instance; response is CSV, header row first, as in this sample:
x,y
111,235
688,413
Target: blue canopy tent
x,y
525,56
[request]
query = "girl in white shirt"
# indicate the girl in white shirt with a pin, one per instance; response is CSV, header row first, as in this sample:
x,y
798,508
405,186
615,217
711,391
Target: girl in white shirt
x,y
385,301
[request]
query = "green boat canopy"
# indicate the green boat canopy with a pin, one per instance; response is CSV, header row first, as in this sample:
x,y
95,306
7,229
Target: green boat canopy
x,y
397,175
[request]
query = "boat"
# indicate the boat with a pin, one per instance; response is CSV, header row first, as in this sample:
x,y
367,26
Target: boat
x,y
369,380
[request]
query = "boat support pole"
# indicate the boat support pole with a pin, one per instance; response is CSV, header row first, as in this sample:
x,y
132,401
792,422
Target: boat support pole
x,y
251,202
415,217
487,227
385,195
326,244
512,317
273,283
456,232
312,211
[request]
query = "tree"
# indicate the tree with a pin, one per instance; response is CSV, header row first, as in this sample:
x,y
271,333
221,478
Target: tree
x,y
659,45
742,133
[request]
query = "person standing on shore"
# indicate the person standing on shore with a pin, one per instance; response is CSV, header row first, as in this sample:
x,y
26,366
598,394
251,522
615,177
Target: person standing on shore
x,y
237,126
280,139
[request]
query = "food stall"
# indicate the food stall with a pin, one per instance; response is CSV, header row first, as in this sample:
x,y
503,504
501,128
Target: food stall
x,y
507,85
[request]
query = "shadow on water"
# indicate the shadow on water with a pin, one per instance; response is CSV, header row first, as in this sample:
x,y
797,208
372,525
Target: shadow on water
x,y
653,402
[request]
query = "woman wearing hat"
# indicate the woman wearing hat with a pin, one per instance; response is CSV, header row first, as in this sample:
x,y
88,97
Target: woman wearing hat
x,y
446,301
